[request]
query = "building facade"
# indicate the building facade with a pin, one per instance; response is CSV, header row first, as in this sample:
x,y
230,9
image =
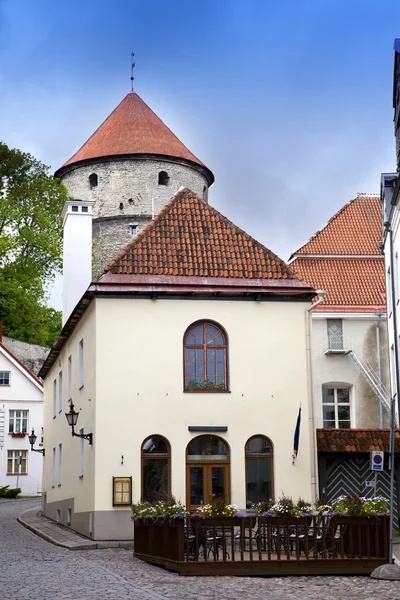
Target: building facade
x,y
21,409
349,346
176,362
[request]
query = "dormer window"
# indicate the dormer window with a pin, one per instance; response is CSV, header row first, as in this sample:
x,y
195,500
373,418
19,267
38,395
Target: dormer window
x,y
163,178
93,180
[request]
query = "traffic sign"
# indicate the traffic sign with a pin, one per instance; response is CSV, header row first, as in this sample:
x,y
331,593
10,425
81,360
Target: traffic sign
x,y
376,460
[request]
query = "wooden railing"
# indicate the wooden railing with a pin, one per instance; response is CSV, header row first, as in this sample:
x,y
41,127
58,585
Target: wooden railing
x,y
258,545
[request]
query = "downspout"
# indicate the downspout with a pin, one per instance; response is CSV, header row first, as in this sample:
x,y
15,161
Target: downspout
x,y
378,357
310,382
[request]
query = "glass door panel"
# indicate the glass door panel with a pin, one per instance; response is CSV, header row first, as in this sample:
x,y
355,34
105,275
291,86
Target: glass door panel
x,y
196,482
217,475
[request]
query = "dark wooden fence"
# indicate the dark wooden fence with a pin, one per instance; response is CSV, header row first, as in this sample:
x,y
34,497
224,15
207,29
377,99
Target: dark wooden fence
x,y
265,546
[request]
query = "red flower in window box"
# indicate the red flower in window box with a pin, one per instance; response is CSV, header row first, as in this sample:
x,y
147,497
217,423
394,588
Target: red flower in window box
x,y
18,434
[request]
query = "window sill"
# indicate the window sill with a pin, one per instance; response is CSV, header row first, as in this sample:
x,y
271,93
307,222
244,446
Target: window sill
x,y
339,351
15,474
5,385
59,485
81,387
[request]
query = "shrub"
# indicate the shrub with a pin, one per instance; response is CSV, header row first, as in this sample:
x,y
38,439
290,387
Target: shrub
x,y
7,492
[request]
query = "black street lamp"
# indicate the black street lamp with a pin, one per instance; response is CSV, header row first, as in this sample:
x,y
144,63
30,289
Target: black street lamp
x,y
32,439
72,418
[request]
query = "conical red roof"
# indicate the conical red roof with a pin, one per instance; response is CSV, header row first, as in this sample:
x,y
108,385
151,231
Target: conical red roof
x,y
132,128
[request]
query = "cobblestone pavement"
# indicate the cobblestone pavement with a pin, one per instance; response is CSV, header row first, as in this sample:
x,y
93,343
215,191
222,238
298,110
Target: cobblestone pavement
x,y
33,569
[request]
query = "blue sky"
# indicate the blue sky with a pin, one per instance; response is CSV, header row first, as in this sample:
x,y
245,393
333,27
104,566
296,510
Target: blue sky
x,y
289,103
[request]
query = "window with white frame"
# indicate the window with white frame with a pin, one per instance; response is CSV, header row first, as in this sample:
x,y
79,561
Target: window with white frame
x,y
54,398
69,377
336,407
4,377
60,398
80,365
335,334
60,460
18,421
82,454
16,462
53,467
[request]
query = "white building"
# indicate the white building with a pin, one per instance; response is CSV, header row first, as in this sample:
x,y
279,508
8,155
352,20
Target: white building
x,y
178,361
349,342
21,409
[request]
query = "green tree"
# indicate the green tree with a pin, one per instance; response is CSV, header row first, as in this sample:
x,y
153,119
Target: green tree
x,y
30,245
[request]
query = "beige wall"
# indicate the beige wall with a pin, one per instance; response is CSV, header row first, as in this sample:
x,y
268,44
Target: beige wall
x,y
133,353
56,429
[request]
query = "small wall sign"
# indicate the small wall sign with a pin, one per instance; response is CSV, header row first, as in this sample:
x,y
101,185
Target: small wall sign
x,y
376,460
122,491
370,483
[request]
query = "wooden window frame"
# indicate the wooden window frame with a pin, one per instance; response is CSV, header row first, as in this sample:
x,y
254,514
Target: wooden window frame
x,y
156,455
223,347
209,463
270,456
116,481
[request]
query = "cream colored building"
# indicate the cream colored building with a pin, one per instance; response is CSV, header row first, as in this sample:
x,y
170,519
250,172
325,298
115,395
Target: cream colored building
x,y
190,344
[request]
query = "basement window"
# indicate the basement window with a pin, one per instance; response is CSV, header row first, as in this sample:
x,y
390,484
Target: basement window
x,y
163,178
93,180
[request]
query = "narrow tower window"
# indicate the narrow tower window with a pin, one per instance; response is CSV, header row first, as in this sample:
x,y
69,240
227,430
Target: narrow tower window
x,y
163,178
133,230
93,180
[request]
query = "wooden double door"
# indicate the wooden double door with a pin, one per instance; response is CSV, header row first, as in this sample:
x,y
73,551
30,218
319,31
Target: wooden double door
x,y
206,483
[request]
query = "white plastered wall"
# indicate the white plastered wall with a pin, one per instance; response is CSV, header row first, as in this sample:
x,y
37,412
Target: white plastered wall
x,y
140,381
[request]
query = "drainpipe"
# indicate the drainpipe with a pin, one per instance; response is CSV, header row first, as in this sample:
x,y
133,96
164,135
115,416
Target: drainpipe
x,y
311,418
378,357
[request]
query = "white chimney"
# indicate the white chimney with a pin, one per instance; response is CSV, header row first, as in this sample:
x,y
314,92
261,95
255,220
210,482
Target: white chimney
x,y
77,253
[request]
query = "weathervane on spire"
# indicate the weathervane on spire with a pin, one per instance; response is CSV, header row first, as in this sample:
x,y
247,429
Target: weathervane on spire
x,y
132,67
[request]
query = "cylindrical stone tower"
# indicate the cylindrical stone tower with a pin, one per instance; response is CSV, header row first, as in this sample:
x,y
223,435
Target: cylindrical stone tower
x,y
131,167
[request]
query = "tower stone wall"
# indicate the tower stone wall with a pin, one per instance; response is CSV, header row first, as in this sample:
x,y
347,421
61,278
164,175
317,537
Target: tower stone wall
x,y
127,195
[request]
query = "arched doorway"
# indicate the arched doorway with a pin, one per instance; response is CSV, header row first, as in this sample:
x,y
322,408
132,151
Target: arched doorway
x,y
207,471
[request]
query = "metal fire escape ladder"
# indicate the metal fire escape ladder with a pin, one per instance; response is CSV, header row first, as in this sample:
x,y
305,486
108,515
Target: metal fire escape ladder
x,y
371,376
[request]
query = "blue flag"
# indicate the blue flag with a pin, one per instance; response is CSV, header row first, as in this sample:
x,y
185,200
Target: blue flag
x,y
297,435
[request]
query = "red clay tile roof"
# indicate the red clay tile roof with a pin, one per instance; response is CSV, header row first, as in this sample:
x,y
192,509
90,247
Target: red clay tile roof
x,y
354,229
355,440
343,258
347,281
190,238
132,128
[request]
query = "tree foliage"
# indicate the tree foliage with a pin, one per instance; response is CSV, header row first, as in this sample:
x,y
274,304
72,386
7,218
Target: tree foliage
x,y
30,245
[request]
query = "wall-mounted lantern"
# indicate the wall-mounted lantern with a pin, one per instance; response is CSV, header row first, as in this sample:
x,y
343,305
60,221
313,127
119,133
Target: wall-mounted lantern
x,y
32,439
72,418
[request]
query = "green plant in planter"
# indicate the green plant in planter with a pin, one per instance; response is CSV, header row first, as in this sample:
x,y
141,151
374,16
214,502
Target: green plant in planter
x,y
203,384
158,509
285,507
354,506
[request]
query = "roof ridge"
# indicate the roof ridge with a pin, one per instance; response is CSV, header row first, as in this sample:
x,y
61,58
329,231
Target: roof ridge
x,y
247,258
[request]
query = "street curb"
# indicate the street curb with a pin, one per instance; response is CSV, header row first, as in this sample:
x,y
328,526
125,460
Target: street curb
x,y
78,545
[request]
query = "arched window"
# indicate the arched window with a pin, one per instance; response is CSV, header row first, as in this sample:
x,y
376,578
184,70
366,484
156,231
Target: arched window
x,y
259,469
205,358
208,471
156,468
163,178
93,180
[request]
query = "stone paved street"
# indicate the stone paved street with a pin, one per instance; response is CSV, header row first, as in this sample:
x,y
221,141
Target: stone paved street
x,y
33,569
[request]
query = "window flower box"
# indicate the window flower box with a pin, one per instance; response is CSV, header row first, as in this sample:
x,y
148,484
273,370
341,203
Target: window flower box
x,y
18,434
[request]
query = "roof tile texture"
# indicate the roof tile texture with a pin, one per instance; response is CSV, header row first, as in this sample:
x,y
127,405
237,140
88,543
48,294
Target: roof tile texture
x,y
347,281
132,128
354,229
355,440
355,276
189,237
